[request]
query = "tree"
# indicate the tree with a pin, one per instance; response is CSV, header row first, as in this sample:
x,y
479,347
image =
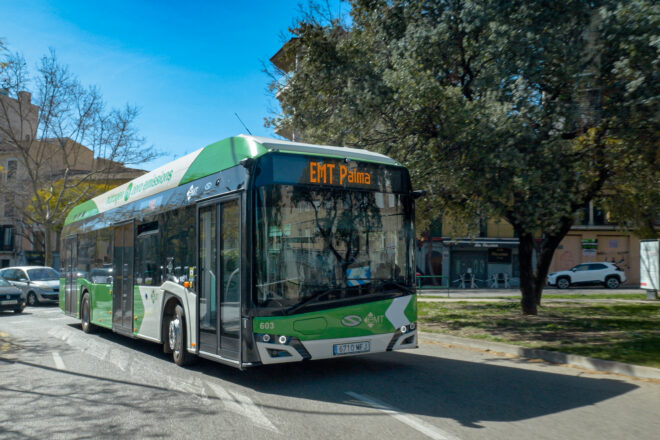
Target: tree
x,y
69,145
513,109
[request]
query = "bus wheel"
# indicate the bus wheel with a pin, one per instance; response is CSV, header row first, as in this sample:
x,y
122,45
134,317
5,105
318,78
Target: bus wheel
x,y
177,338
87,326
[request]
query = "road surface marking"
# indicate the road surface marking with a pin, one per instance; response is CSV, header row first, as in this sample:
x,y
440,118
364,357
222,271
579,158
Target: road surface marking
x,y
58,319
59,363
20,321
243,405
415,423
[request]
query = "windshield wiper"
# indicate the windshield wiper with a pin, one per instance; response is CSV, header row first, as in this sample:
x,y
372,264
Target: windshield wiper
x,y
315,296
403,287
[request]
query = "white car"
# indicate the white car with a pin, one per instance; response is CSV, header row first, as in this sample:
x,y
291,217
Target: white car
x,y
607,274
40,283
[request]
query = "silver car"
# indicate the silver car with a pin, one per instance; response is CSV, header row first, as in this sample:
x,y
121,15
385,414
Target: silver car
x,y
11,297
39,283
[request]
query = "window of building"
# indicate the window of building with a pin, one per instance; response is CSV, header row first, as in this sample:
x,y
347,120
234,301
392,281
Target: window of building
x,y
436,227
12,167
483,227
600,215
6,238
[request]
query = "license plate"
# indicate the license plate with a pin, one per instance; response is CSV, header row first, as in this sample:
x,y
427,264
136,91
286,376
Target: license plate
x,y
6,303
350,348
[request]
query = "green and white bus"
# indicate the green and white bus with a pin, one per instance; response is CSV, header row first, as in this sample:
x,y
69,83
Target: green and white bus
x,y
250,251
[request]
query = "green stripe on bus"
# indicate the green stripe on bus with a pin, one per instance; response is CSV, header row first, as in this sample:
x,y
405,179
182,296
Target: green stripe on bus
x,y
220,156
342,322
81,212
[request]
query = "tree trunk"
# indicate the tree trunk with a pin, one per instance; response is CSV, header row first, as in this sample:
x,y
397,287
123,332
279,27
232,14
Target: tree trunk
x,y
48,246
533,278
527,279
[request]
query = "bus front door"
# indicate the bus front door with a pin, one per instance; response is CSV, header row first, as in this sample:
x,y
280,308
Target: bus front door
x,y
219,230
122,281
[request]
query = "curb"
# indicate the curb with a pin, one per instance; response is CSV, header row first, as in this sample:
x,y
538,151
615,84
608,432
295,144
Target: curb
x,y
554,357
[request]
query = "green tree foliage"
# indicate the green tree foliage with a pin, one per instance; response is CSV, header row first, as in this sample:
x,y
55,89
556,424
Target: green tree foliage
x,y
514,109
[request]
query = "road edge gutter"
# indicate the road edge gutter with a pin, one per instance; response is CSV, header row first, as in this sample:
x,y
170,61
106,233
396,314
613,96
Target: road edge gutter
x,y
554,357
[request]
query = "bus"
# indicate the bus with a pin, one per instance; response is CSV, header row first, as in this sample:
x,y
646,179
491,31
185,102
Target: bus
x,y
250,251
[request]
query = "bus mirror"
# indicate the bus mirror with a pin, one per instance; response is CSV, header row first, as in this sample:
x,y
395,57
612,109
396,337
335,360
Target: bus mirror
x,y
247,162
419,193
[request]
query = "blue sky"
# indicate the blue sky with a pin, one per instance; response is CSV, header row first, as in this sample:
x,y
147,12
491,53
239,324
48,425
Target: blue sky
x,y
189,66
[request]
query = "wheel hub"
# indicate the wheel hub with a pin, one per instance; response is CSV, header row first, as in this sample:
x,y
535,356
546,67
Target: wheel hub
x,y
174,333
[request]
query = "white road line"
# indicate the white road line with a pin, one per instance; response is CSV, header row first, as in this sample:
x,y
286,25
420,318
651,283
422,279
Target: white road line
x,y
243,405
59,363
415,423
58,319
20,321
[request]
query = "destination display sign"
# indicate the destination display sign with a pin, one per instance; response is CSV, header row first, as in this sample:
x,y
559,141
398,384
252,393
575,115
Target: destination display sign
x,y
331,172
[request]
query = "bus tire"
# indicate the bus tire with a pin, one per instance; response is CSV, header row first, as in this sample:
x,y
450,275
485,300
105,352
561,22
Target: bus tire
x,y
177,337
85,315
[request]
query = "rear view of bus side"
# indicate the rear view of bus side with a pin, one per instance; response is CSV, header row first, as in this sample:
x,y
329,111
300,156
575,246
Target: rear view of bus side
x,y
250,251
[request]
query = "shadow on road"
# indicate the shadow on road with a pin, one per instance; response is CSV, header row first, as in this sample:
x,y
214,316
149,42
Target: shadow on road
x,y
468,392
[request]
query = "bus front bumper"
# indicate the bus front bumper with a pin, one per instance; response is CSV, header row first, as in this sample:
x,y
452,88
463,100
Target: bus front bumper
x,y
293,350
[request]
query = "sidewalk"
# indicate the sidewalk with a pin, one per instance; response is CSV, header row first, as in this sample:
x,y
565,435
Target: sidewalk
x,y
498,293
553,357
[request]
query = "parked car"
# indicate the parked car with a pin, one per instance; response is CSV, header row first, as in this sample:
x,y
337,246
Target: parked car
x,y
11,297
39,283
607,274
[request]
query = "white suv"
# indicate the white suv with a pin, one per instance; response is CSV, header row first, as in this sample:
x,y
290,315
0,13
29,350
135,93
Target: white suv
x,y
608,274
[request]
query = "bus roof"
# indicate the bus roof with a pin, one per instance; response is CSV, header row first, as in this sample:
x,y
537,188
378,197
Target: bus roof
x,y
211,159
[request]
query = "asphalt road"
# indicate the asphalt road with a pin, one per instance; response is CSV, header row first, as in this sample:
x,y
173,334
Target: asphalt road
x,y
57,382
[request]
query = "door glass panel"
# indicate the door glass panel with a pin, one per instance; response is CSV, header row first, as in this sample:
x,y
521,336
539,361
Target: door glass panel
x,y
127,291
208,263
118,257
230,266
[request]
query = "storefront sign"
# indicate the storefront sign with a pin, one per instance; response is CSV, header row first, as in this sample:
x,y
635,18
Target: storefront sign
x,y
589,247
499,255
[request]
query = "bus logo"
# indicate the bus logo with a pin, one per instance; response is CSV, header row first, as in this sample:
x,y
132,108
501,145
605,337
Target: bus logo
x,y
127,193
351,320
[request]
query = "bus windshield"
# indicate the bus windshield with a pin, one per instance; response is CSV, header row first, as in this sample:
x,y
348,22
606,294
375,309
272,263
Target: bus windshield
x,y
320,246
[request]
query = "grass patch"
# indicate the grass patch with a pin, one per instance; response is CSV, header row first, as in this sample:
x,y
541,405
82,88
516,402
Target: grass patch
x,y
613,331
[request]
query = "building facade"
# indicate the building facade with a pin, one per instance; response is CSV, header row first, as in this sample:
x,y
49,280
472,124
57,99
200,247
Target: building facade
x,y
490,260
21,241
